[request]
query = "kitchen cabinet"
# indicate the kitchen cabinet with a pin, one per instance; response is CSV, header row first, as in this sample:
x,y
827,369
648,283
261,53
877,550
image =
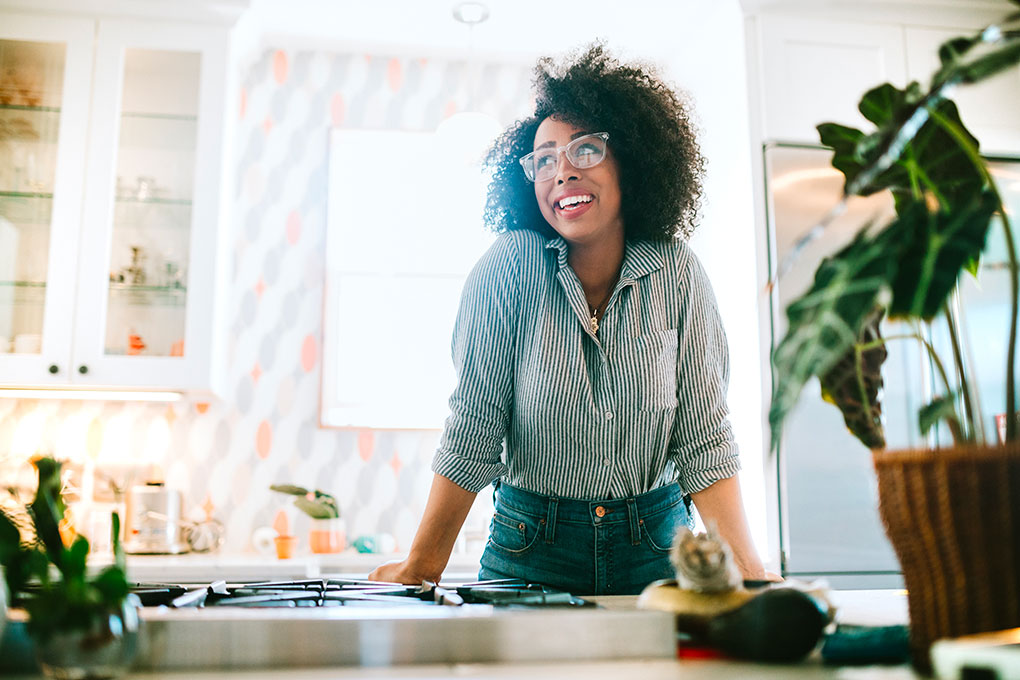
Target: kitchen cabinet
x,y
112,202
815,70
987,108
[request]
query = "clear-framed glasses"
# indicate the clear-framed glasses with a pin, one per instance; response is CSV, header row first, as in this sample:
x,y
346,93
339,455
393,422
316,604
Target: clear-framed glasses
x,y
583,152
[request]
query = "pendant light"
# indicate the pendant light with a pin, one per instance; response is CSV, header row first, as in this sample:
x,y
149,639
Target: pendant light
x,y
468,133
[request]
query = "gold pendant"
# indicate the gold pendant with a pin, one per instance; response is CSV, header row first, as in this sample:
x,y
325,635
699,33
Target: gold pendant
x,y
594,324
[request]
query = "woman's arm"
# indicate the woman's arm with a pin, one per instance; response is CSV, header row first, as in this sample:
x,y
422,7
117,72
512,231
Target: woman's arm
x,y
445,512
721,504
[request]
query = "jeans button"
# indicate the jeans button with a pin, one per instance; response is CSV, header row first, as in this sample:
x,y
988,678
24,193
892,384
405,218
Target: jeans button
x,y
600,511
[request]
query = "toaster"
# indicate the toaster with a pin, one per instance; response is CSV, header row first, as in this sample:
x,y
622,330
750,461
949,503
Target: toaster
x,y
152,522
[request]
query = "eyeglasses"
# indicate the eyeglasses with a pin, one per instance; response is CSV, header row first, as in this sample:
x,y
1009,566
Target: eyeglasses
x,y
583,152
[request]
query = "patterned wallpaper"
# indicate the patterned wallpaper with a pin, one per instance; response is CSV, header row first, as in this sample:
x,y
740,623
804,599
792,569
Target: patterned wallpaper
x,y
225,454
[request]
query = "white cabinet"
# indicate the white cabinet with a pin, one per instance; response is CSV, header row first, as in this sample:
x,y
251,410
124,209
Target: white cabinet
x,y
988,109
112,202
815,71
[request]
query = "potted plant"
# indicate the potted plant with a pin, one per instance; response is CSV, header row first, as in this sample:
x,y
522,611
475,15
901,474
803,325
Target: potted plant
x,y
81,627
951,513
327,534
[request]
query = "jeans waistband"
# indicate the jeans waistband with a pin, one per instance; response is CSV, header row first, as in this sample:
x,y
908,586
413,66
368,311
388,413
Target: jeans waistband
x,y
593,511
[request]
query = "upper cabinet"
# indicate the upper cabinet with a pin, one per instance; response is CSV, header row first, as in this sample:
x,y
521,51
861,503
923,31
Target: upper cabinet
x,y
806,71
989,109
112,202
814,71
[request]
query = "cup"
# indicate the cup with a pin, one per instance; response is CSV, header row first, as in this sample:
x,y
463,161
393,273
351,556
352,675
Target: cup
x,y
285,546
27,343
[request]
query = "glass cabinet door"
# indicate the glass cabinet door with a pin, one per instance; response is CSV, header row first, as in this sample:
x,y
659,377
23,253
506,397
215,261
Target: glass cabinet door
x,y
31,79
152,197
152,222
45,71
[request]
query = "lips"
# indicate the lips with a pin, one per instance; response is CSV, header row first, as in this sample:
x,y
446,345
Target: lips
x,y
573,204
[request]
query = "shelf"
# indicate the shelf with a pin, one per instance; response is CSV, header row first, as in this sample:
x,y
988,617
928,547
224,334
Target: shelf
x,y
157,116
171,133
148,296
26,194
22,293
36,109
127,200
26,208
29,124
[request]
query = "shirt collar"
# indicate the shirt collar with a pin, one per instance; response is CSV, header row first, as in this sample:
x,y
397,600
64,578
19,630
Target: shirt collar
x,y
640,258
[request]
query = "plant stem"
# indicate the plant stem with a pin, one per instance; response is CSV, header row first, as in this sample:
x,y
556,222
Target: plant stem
x,y
954,340
1014,276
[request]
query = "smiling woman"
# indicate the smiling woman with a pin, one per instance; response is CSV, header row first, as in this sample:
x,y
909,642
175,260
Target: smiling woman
x,y
591,361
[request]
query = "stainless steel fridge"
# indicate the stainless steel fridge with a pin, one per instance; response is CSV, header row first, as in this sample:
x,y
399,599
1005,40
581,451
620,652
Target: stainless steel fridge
x,y
829,523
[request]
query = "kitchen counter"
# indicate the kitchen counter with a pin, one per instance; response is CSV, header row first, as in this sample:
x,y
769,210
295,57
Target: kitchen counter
x,y
605,670
861,607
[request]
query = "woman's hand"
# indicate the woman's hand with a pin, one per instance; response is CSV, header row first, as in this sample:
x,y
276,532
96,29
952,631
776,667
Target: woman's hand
x,y
401,572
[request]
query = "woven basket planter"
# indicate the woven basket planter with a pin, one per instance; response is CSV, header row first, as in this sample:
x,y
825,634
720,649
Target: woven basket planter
x,y
953,516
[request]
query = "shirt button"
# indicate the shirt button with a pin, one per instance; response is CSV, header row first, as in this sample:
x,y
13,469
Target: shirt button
x,y
607,462
609,415
600,511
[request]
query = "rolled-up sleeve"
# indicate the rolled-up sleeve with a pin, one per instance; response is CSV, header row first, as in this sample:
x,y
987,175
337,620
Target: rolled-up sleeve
x,y
483,349
702,445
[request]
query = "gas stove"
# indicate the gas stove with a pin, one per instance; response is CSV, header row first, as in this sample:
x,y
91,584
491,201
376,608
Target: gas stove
x,y
339,621
340,592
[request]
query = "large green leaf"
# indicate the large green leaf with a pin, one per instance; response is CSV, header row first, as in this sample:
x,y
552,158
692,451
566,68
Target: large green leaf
x,y
940,408
931,161
935,249
826,321
854,383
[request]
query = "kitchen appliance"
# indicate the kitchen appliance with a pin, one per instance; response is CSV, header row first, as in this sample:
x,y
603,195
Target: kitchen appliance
x,y
338,621
153,520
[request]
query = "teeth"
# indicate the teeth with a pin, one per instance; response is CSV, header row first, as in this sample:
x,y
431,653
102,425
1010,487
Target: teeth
x,y
572,200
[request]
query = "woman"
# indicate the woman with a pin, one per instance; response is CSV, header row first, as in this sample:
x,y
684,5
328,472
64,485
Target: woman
x,y
589,344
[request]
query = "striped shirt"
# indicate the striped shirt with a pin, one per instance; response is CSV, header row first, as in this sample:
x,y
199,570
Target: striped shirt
x,y
638,405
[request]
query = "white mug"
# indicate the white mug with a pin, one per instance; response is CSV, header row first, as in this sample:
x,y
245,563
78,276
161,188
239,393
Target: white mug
x,y
27,343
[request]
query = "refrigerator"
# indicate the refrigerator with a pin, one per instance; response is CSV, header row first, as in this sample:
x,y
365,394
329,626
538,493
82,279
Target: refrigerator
x,y
828,502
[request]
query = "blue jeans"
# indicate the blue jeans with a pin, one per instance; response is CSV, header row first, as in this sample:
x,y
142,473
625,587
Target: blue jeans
x,y
614,547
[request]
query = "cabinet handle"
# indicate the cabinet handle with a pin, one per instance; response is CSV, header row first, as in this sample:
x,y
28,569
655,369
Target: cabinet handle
x,y
54,368
83,369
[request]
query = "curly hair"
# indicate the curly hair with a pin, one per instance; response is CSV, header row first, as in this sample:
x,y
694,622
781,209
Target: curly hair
x,y
650,132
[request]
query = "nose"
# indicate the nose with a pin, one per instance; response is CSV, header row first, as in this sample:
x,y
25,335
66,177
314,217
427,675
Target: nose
x,y
565,170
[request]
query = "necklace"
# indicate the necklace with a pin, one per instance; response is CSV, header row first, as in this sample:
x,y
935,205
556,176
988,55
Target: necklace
x,y
595,312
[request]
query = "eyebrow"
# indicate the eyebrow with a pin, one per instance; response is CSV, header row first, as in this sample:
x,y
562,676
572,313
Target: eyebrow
x,y
552,143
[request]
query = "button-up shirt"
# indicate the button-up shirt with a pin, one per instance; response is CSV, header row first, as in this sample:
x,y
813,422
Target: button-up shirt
x,y
546,404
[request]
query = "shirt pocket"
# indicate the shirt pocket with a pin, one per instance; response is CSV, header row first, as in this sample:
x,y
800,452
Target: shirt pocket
x,y
651,371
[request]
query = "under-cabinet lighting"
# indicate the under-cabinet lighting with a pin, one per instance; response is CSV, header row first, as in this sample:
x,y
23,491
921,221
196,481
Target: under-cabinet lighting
x,y
92,395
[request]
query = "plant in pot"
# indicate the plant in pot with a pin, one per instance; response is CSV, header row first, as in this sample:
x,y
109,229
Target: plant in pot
x,y
327,534
82,627
952,513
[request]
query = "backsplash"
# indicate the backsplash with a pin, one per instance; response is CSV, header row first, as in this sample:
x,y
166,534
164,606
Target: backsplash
x,y
225,454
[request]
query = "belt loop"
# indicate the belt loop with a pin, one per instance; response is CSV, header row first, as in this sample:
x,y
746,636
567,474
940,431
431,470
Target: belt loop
x,y
550,520
635,526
